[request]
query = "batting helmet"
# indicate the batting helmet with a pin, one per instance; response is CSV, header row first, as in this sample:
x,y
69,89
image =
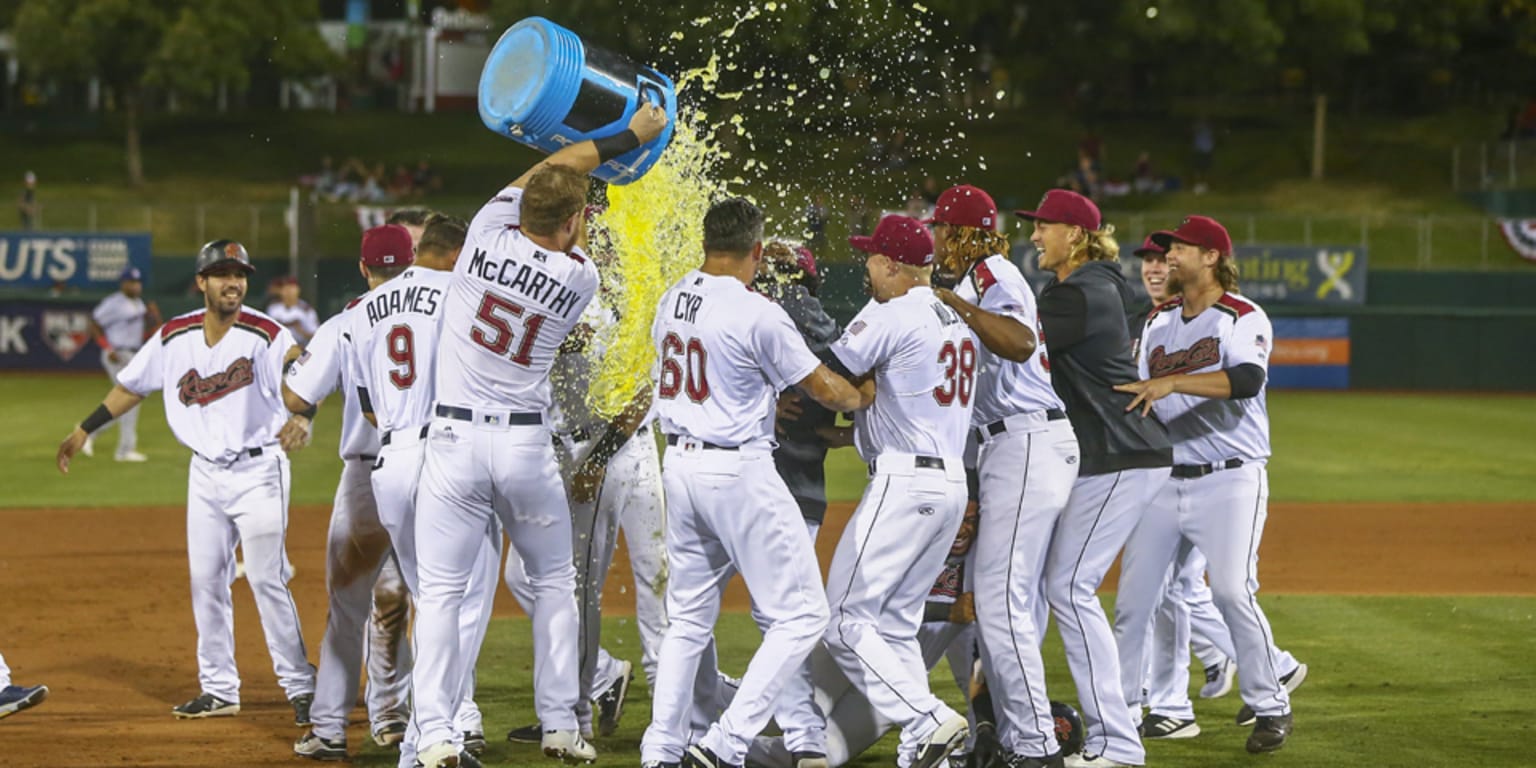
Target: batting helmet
x,y
1069,728
220,253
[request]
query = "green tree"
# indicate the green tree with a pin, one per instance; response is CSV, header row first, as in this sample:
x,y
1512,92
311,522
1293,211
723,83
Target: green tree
x,y
190,47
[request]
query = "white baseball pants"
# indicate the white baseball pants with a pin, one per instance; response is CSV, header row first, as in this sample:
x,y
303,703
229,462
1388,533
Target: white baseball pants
x,y
244,503
1223,514
5,673
729,511
476,472
1026,478
388,659
879,579
1100,515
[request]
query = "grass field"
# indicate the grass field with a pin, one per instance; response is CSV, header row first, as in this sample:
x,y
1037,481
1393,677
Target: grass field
x,y
1328,447
1398,681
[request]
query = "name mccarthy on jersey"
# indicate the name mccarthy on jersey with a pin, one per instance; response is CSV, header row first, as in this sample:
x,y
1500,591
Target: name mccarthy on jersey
x,y
537,285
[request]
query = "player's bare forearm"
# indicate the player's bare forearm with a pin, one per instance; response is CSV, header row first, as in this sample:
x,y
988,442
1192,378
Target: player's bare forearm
x,y
116,403
646,124
831,390
1004,336
1214,385
297,405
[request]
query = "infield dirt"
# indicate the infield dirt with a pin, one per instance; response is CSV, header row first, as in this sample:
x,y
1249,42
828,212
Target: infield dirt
x,y
96,604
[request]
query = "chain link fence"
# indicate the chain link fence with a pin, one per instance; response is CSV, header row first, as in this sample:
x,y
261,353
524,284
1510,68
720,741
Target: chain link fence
x,y
1493,165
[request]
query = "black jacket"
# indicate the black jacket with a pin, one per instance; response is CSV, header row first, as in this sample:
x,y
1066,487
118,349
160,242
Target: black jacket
x,y
1088,344
801,455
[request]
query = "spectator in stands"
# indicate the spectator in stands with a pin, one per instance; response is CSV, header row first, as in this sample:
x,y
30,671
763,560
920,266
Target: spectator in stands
x,y
425,180
373,190
293,312
1142,180
27,206
402,183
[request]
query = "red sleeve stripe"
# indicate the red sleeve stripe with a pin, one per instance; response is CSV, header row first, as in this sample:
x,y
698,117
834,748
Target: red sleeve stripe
x,y
179,325
259,325
1239,305
984,278
1173,303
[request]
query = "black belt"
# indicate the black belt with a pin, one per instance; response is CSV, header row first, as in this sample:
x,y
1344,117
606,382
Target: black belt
x,y
385,439
1001,425
252,452
368,457
514,418
1190,471
673,440
921,462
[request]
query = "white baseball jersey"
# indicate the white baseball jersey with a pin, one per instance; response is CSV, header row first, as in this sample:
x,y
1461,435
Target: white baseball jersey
x,y
571,376
1004,387
723,355
510,306
395,329
300,318
1232,332
220,400
323,369
121,320
916,346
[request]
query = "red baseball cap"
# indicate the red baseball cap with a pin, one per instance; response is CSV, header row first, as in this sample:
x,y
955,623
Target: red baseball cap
x,y
1150,247
805,260
1063,206
902,238
965,206
1200,231
388,246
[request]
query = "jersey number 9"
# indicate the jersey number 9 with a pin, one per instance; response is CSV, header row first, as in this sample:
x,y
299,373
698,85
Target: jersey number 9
x,y
402,352
959,373
687,373
492,309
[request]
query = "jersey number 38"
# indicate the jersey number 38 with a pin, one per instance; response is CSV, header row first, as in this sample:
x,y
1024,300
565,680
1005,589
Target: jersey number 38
x,y
959,373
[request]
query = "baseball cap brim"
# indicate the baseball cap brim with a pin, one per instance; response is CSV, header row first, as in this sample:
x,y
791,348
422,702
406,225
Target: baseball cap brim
x,y
864,243
1167,238
245,265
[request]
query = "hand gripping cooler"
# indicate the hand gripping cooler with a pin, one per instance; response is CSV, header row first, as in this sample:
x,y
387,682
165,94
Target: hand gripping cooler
x,y
544,87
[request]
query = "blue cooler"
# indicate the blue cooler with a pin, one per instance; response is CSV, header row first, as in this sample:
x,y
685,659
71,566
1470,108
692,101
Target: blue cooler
x,y
544,87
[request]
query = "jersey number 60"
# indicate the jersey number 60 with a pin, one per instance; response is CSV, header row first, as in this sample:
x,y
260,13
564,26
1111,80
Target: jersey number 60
x,y
687,373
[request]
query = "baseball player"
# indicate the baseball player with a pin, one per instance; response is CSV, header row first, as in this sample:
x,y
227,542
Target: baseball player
x,y
394,329
221,370
292,312
1203,366
612,471
920,355
1123,461
852,725
15,698
1027,464
723,354
509,307
120,323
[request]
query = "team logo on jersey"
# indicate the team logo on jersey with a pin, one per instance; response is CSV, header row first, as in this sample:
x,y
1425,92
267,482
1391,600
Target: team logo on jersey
x,y
195,389
66,332
1202,354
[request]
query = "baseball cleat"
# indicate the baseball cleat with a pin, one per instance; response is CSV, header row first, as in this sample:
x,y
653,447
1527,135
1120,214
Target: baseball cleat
x,y
131,457
528,734
301,704
15,698
659,764
1162,727
610,705
1091,761
440,755
389,733
1292,681
474,743
809,759
314,747
703,757
206,705
1269,733
567,745
945,739
1013,760
1219,679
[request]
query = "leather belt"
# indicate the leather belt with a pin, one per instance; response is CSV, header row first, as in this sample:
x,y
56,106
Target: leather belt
x,y
920,462
251,452
514,418
675,439
1001,425
385,439
1191,471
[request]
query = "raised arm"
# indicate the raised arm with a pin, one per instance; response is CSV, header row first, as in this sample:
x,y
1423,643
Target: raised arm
x,y
586,156
1006,337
